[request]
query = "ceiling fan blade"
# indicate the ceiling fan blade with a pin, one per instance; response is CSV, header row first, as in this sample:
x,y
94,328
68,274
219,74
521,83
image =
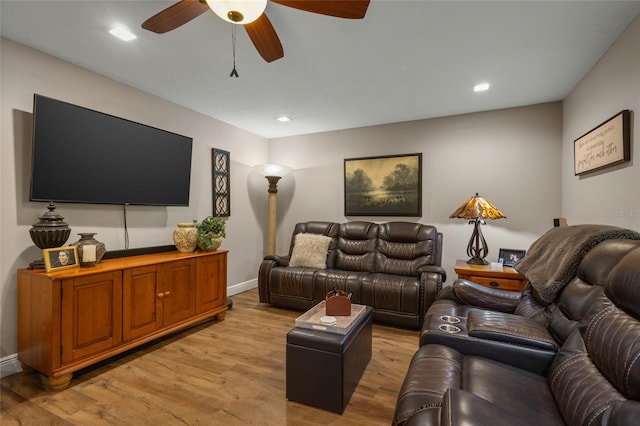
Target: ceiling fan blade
x,y
175,16
350,9
265,39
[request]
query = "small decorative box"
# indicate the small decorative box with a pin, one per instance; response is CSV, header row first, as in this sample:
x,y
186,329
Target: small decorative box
x,y
338,303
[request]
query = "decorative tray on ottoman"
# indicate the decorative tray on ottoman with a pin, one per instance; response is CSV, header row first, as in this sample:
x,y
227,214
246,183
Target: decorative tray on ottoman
x,y
312,319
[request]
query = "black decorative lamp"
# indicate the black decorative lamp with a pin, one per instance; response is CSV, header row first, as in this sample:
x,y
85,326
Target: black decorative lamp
x,y
475,210
51,231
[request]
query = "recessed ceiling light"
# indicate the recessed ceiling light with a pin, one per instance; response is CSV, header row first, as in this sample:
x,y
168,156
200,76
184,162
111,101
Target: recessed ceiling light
x,y
481,87
122,33
283,118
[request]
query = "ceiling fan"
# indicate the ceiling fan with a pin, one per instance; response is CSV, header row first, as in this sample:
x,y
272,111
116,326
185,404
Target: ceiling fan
x,y
250,14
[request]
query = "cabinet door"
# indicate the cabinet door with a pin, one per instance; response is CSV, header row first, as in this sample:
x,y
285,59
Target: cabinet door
x,y
211,282
142,301
179,295
91,315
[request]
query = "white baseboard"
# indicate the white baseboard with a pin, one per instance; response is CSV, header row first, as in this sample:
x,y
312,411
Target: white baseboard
x,y
241,287
10,365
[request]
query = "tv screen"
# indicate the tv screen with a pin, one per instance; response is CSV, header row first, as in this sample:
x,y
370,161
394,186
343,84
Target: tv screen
x,y
85,156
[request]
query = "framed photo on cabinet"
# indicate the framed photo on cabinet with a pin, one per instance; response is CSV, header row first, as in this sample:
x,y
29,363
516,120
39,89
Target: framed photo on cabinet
x,y
59,258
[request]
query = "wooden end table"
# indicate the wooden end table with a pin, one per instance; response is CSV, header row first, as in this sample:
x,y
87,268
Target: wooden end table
x,y
506,278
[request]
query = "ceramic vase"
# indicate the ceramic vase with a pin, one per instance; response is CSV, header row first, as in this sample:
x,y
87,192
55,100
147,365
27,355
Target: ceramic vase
x,y
185,237
90,250
50,231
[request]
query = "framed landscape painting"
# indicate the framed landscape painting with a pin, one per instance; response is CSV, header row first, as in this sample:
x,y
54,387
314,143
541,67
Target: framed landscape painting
x,y
383,186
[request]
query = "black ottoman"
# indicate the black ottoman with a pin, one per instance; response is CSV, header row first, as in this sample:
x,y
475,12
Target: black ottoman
x,y
323,368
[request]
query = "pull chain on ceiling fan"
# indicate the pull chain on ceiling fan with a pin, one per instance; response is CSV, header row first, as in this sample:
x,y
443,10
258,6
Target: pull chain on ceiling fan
x,y
234,72
237,12
251,15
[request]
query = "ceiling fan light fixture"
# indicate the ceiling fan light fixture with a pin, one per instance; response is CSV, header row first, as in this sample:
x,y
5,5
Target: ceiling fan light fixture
x,y
238,11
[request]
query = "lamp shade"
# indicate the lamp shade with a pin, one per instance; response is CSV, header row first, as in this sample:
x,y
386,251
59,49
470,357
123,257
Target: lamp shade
x,y
273,170
238,11
477,207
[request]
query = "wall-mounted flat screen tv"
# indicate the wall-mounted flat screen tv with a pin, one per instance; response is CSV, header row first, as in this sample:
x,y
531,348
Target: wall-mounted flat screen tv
x,y
85,156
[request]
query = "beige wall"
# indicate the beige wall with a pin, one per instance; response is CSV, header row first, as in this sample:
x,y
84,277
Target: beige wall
x,y
511,157
612,195
25,72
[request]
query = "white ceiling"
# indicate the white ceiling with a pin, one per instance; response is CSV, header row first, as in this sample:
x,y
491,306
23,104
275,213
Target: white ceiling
x,y
406,60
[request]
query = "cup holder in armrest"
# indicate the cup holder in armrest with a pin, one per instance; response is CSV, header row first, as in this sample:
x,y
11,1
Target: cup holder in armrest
x,y
450,319
448,328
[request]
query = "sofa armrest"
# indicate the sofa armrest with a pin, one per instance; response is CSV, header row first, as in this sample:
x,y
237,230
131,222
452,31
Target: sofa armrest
x,y
460,407
280,260
435,269
508,328
469,293
264,273
510,339
432,278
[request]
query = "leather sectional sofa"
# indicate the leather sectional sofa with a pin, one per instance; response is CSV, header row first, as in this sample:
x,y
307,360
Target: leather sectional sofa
x,y
489,357
393,267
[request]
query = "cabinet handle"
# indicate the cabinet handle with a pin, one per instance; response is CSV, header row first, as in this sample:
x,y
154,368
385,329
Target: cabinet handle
x,y
494,284
167,293
160,295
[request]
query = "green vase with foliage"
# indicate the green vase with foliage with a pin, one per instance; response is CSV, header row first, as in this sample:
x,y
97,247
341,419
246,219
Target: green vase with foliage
x,y
211,231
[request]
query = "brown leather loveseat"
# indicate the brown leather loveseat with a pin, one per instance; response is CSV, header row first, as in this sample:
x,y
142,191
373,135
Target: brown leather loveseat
x,y
572,360
393,267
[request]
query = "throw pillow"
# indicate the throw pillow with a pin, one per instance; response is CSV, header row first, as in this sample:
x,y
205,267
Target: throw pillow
x,y
310,251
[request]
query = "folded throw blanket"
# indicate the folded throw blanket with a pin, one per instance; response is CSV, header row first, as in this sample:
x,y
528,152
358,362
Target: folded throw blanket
x,y
553,259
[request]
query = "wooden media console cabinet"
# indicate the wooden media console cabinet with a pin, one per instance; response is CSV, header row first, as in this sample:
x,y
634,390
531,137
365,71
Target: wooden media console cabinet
x,y
70,319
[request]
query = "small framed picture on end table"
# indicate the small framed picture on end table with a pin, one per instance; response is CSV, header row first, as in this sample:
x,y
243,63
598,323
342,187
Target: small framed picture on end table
x,y
509,257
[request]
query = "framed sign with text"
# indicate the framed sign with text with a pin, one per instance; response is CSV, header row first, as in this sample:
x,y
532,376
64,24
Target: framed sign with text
x,y
607,144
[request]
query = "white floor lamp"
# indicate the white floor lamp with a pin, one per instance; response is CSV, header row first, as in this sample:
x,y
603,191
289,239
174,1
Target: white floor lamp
x,y
273,173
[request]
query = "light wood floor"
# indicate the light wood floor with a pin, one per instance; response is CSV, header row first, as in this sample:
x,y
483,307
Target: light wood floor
x,y
230,372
